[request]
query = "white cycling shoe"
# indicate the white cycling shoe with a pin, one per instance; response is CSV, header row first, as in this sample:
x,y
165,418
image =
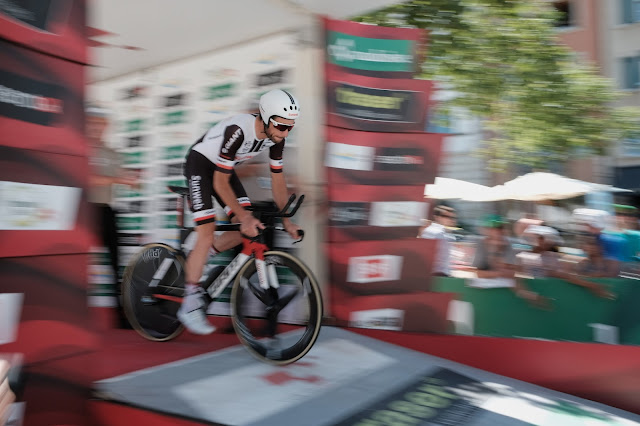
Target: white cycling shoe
x,y
193,316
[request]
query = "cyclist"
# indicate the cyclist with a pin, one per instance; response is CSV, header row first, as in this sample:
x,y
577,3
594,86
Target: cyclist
x,y
209,170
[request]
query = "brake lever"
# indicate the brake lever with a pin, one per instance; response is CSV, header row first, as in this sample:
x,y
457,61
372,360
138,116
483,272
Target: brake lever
x,y
300,235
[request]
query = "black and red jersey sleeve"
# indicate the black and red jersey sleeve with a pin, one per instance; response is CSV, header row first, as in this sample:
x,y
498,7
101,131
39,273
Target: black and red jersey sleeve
x,y
275,157
232,141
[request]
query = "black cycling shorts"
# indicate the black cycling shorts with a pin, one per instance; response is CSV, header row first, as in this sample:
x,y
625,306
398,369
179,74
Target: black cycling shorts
x,y
199,173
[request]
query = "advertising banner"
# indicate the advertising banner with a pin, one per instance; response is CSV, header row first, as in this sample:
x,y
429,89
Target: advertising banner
x,y
54,27
41,101
374,50
358,212
53,335
372,158
43,205
382,267
376,104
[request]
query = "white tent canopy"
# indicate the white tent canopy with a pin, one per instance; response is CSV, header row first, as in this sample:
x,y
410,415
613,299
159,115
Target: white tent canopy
x,y
535,186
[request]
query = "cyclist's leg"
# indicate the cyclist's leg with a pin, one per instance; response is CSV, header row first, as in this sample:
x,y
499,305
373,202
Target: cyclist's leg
x,y
199,173
231,239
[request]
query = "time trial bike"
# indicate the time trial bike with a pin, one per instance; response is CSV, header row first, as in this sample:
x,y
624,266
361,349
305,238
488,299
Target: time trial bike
x,y
276,303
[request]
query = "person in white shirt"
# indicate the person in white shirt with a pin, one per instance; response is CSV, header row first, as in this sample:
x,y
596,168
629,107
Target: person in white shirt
x,y
444,218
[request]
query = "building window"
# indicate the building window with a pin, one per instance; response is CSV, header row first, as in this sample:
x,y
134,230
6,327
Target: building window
x,y
564,9
630,11
631,72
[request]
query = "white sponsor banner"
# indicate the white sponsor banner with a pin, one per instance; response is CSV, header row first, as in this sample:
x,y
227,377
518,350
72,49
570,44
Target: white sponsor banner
x,y
382,319
370,269
353,157
26,206
10,308
397,213
269,389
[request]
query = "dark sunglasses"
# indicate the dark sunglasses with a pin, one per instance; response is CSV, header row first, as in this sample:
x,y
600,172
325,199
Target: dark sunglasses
x,y
281,126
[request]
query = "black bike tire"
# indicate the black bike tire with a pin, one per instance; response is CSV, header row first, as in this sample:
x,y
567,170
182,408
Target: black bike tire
x,y
129,311
247,270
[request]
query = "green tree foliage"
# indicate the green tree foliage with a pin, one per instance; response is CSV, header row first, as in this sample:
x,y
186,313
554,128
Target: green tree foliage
x,y
539,102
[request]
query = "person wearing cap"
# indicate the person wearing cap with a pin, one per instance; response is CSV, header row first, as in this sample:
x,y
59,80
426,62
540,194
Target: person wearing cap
x,y
106,170
444,219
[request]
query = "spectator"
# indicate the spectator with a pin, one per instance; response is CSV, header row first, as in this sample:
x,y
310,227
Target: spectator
x,y
444,219
494,256
6,395
105,171
627,224
545,260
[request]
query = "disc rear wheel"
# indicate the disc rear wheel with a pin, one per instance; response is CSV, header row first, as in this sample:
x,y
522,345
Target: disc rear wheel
x,y
154,317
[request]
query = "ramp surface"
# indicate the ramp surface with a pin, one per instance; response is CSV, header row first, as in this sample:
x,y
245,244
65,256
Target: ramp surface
x,y
348,379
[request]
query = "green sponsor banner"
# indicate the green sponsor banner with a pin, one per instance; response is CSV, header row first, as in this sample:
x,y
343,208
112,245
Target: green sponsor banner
x,y
173,152
371,54
134,157
132,223
220,91
133,125
174,117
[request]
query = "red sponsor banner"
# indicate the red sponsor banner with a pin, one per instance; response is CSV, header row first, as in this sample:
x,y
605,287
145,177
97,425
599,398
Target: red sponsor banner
x,y
54,27
377,104
41,102
382,267
54,335
359,212
374,50
43,203
424,312
370,158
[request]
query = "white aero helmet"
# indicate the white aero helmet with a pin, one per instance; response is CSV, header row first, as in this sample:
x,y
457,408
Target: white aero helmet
x,y
280,103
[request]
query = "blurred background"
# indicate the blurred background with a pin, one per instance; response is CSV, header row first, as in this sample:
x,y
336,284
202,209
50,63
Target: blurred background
x,y
472,125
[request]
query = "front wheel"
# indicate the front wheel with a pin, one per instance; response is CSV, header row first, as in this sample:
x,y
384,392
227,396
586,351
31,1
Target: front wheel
x,y
277,325
153,317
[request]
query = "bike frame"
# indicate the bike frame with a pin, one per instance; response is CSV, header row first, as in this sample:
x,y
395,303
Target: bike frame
x,y
266,273
250,248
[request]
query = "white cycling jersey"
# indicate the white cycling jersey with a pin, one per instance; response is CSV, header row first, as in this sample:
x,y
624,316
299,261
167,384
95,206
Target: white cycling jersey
x,y
233,141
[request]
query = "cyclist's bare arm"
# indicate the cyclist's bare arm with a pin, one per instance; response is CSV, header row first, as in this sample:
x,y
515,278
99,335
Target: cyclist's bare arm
x,y
281,196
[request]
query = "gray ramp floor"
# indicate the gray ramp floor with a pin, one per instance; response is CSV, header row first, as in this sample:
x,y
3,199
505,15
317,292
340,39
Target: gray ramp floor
x,y
349,379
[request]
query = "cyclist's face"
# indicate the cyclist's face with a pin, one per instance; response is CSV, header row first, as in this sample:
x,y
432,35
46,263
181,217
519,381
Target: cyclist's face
x,y
276,132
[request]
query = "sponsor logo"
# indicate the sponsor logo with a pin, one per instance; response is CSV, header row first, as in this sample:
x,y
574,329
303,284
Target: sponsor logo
x,y
400,159
274,77
383,319
34,101
26,206
196,192
175,100
173,169
133,92
373,104
348,214
369,269
397,213
175,117
234,137
135,141
370,53
353,157
220,91
134,125
151,254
